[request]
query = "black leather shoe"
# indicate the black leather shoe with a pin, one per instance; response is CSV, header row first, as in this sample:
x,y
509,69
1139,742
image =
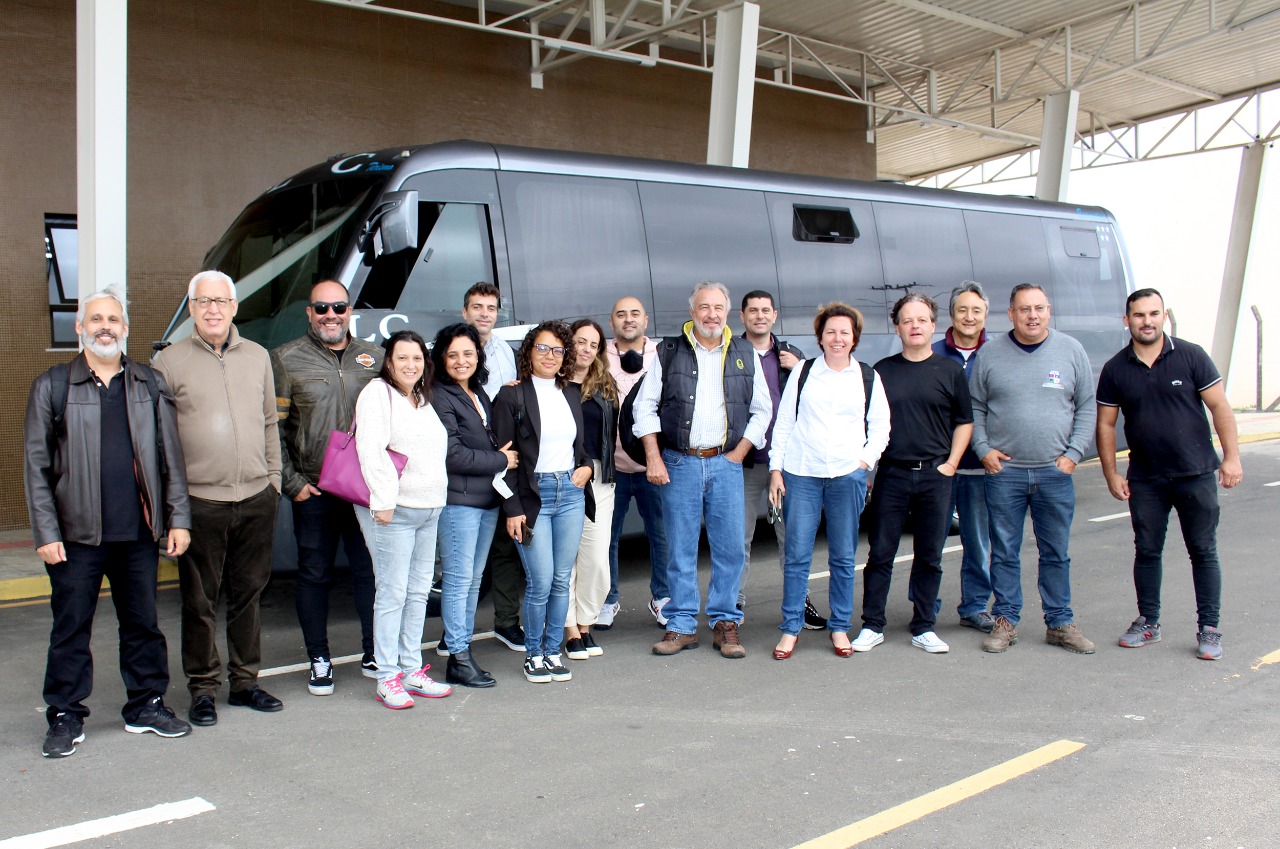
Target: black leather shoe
x,y
203,712
256,698
462,670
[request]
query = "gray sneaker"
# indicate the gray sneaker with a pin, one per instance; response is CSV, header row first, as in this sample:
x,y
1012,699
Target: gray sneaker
x,y
980,621
1210,640
1140,633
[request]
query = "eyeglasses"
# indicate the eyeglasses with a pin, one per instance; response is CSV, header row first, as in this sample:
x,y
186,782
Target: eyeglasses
x,y
204,302
543,349
323,307
1038,309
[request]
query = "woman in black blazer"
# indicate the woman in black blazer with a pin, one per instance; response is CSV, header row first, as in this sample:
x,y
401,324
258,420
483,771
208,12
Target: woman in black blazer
x,y
542,417
470,516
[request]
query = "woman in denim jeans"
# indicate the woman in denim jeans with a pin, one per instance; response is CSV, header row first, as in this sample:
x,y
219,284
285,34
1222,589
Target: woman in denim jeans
x,y
825,438
542,417
471,512
399,526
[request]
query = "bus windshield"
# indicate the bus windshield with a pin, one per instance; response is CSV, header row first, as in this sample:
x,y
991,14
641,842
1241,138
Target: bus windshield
x,y
279,246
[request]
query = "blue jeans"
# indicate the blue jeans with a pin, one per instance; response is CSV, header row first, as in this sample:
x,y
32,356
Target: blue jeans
x,y
465,536
1051,496
629,485
319,524
842,499
975,536
548,562
404,561
710,487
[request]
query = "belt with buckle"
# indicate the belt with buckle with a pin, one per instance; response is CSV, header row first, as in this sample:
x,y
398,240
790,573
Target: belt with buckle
x,y
913,465
702,452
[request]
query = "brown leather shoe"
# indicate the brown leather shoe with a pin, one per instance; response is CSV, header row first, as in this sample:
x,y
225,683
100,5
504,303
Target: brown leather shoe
x,y
1070,638
1003,634
726,639
673,643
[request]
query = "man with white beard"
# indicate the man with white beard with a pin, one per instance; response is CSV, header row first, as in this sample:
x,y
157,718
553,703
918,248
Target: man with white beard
x,y
105,483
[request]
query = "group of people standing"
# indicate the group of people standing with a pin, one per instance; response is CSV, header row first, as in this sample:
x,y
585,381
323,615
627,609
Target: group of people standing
x,y
520,467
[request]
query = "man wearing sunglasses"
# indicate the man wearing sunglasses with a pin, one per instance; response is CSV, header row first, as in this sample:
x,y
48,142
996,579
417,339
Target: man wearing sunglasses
x,y
318,378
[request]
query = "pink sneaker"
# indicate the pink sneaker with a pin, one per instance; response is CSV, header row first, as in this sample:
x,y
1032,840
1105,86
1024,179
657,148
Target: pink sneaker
x,y
391,693
420,684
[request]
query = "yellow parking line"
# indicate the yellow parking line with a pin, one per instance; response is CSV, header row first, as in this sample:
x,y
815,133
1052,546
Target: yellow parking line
x,y
922,806
1267,660
37,586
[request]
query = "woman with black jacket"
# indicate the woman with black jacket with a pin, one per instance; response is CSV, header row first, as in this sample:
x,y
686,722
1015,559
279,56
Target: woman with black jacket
x,y
590,581
542,416
470,515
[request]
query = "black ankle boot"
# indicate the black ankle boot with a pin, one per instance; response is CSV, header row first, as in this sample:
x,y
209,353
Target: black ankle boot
x,y
461,669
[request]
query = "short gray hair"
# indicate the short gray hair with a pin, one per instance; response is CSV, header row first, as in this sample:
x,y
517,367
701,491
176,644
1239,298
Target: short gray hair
x,y
967,286
210,275
113,292
703,285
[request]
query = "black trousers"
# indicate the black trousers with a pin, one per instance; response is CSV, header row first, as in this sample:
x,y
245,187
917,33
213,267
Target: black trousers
x,y
319,524
504,574
1196,500
925,496
230,556
144,657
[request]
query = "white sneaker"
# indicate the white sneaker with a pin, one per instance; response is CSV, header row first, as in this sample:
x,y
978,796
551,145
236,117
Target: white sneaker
x,y
607,614
867,640
655,607
391,693
929,642
419,683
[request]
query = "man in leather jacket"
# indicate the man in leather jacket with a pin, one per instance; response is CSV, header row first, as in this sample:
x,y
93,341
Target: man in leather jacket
x,y
105,483
318,378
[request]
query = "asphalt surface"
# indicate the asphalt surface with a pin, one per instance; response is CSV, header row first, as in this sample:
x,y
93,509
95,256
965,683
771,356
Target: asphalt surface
x,y
699,751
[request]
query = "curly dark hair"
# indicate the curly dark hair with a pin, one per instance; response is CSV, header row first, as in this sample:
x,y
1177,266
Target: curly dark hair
x,y
524,357
441,347
421,388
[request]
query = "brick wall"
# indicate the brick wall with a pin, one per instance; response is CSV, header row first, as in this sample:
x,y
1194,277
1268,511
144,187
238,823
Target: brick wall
x,y
227,97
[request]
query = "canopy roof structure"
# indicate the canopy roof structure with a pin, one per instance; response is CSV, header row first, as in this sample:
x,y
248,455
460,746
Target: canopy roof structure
x,y
947,83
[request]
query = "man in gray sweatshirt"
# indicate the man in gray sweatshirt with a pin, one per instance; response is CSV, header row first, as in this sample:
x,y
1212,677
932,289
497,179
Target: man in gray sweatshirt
x,y
1033,417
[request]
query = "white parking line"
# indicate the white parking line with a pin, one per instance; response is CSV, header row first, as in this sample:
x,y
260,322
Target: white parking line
x,y
1123,515
91,829
350,658
813,576
1273,483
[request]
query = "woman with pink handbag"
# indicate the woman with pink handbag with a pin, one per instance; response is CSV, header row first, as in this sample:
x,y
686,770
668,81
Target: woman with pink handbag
x,y
394,412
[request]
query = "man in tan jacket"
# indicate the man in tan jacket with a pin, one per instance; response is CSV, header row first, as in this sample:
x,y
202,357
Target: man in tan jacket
x,y
227,423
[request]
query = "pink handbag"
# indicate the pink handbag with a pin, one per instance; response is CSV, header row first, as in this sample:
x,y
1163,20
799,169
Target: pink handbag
x,y
340,473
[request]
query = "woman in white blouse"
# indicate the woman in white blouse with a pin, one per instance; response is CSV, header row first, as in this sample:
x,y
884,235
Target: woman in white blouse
x,y
394,411
826,438
542,417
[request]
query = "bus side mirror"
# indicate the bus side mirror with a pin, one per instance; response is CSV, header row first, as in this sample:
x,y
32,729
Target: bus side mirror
x,y
399,224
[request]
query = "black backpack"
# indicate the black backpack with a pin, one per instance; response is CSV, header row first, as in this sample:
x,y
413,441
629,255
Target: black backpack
x,y
868,378
60,388
632,444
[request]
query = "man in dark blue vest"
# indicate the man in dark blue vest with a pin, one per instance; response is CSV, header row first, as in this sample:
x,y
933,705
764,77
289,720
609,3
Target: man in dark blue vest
x,y
706,401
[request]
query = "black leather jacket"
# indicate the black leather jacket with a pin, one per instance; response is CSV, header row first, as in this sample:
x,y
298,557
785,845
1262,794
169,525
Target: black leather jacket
x,y
63,471
316,395
609,413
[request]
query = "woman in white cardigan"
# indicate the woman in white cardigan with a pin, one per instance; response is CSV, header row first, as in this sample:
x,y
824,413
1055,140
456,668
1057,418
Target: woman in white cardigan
x,y
394,412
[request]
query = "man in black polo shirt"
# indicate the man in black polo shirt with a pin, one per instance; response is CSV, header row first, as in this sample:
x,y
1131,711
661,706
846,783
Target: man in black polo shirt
x,y
1162,384
932,421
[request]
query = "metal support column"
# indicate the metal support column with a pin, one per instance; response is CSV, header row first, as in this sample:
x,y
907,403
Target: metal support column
x,y
733,82
1242,218
101,87
1057,140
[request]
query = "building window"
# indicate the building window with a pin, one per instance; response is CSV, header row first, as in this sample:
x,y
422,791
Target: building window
x,y
62,256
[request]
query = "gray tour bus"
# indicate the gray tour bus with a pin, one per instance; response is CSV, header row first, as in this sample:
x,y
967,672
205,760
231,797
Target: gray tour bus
x,y
563,235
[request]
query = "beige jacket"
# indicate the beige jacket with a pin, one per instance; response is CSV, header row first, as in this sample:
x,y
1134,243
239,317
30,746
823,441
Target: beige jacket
x,y
227,420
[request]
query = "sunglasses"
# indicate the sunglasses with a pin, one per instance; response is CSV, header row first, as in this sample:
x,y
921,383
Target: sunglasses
x,y
542,349
323,307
